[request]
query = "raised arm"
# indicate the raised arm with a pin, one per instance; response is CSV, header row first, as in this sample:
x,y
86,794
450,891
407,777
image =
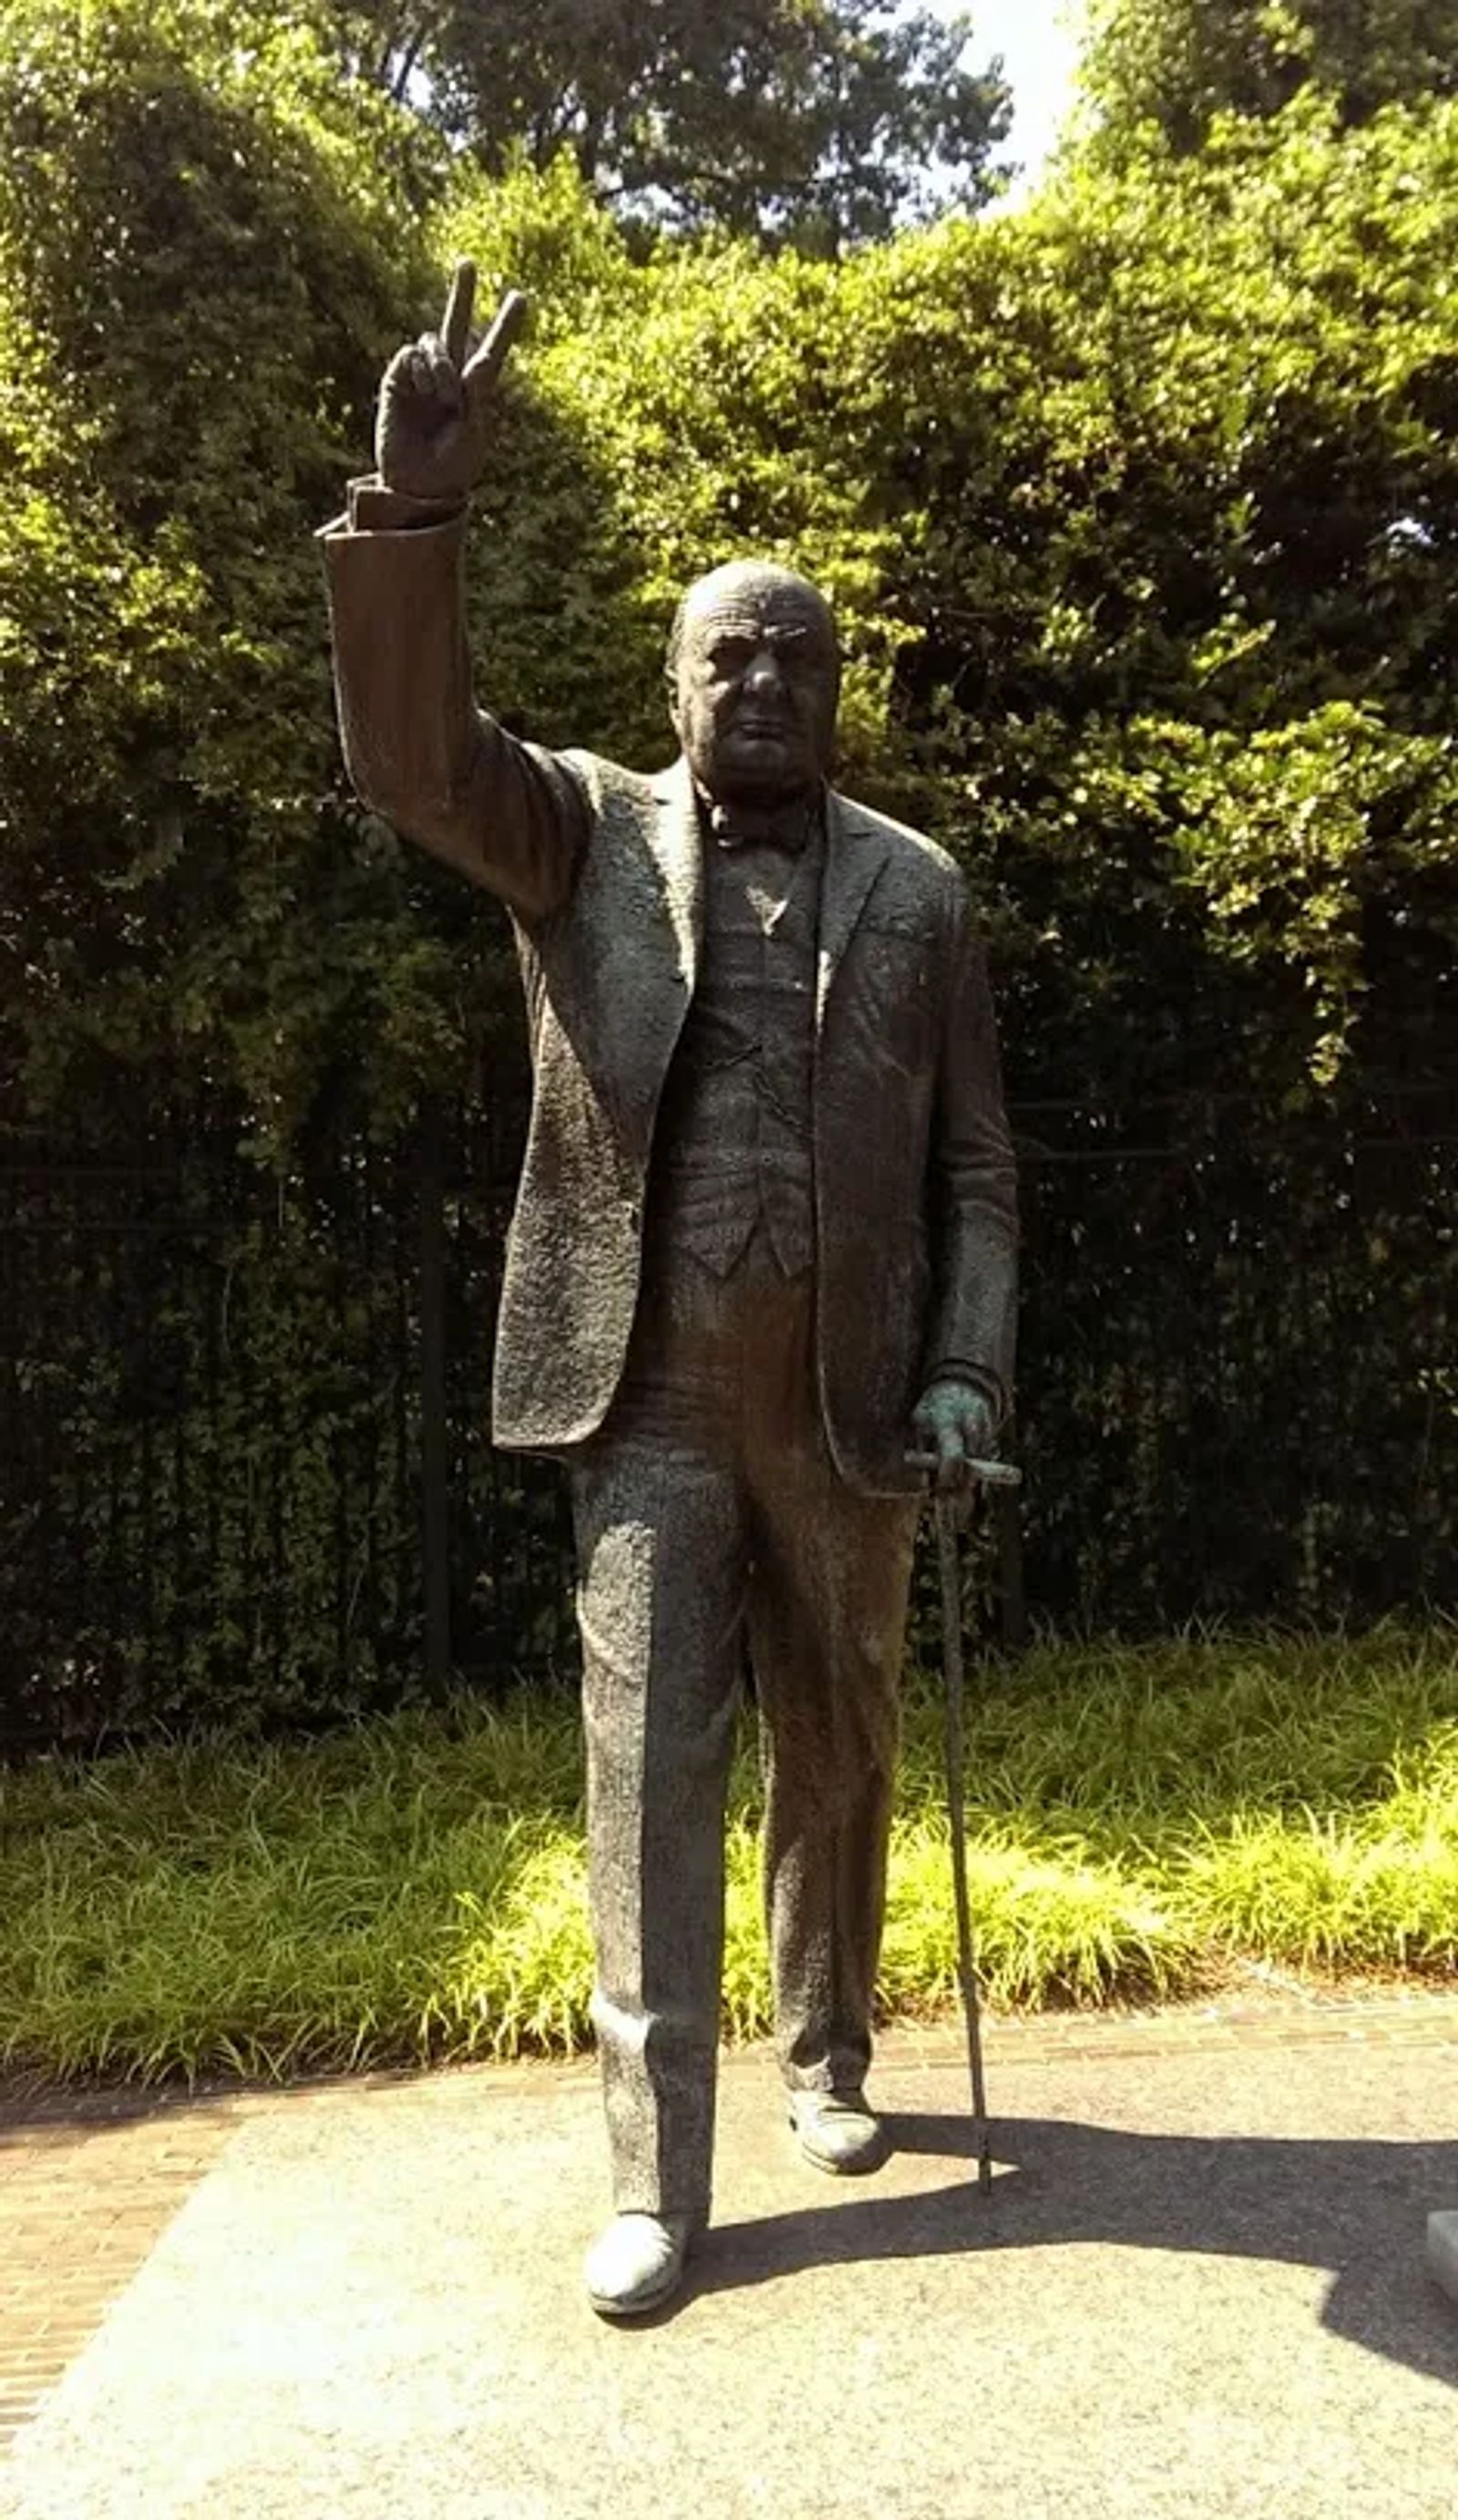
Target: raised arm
x,y
418,748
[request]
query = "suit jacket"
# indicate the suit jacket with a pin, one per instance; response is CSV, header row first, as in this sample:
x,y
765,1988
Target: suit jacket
x,y
603,871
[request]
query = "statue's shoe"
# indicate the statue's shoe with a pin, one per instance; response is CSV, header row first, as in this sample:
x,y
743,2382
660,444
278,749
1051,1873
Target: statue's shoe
x,y
637,2261
838,2131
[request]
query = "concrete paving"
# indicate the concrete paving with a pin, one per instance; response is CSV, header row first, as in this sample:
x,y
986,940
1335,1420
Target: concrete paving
x,y
1198,2286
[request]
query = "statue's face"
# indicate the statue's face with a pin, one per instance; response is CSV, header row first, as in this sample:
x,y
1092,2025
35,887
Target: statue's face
x,y
754,685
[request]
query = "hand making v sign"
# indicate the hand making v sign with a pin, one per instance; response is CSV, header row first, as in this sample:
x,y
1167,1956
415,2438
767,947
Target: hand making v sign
x,y
431,429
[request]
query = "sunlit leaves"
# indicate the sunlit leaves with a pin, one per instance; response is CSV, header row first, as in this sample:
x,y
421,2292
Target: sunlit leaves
x,y
1139,509
206,249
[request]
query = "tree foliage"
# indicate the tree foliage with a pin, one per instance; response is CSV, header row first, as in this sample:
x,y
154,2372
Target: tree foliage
x,y
1143,544
1140,510
205,249
1172,66
823,122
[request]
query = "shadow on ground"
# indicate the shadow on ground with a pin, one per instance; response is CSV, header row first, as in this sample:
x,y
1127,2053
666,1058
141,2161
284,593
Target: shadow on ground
x,y
1354,2207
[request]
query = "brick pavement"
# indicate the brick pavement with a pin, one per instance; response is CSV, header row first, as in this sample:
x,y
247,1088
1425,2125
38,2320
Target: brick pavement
x,y
87,2185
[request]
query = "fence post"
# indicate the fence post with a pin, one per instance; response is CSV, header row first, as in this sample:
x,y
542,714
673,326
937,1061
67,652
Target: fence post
x,y
434,1484
1012,1596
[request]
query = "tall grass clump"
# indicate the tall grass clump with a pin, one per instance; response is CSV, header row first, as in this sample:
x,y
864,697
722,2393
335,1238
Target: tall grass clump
x,y
1142,1822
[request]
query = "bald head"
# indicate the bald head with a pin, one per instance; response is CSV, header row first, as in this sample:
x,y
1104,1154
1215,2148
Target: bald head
x,y
754,675
750,582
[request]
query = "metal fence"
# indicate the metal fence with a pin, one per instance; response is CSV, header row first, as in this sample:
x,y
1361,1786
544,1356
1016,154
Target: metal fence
x,y
244,1466
1240,1361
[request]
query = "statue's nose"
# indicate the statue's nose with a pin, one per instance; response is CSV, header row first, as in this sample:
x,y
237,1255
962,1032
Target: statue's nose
x,y
763,672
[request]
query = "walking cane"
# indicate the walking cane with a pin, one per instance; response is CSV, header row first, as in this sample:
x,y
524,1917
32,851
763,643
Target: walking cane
x,y
999,1475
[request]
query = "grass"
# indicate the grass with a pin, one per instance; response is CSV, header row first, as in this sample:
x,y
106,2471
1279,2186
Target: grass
x,y
1141,1820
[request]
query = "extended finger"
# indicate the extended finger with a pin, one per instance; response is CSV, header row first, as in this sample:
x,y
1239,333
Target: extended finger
x,y
455,329
951,1457
976,1427
487,363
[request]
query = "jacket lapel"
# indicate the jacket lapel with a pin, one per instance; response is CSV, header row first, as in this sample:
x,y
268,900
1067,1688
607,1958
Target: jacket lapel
x,y
678,845
855,851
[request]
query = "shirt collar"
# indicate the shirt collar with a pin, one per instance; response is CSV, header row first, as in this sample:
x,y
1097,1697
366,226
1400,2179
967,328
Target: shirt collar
x,y
786,826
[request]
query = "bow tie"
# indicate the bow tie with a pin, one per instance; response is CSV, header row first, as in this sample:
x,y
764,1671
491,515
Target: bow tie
x,y
784,826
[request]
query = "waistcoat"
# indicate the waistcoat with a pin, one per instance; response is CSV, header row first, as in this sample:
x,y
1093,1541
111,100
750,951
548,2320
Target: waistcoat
x,y
732,1141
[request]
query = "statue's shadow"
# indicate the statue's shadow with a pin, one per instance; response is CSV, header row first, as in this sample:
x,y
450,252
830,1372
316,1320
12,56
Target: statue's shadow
x,y
1358,2208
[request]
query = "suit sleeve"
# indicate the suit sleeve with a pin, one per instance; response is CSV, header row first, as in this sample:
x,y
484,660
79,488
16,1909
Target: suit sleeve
x,y
973,1220
418,749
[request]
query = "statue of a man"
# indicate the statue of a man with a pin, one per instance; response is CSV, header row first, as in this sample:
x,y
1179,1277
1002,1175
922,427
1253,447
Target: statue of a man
x,y
764,1240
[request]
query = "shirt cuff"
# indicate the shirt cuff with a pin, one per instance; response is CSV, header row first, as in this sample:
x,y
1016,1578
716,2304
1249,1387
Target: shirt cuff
x,y
374,508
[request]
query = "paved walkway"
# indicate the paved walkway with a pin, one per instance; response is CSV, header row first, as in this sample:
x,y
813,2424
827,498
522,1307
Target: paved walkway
x,y
1198,2287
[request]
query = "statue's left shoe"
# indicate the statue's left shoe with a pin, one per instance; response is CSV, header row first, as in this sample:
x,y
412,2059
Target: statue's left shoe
x,y
838,2131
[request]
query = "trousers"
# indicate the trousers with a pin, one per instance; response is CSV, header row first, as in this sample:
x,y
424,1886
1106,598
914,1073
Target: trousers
x,y
713,1533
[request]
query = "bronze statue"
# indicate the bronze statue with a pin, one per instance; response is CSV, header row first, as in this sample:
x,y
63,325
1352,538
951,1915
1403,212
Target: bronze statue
x,y
764,1240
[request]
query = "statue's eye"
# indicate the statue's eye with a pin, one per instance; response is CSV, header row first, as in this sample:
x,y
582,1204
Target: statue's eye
x,y
729,656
